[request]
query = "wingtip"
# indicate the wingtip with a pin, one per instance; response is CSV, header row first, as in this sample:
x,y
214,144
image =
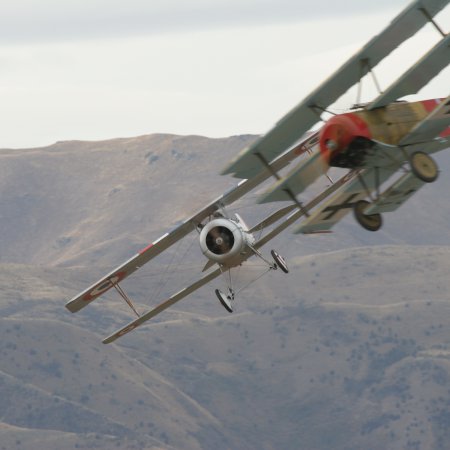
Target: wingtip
x,y
72,306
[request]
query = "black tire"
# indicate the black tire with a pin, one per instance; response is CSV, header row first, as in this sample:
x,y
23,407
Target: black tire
x,y
279,261
372,222
424,167
224,300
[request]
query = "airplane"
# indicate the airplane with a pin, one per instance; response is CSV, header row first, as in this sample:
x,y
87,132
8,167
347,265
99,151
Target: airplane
x,y
227,242
374,141
224,238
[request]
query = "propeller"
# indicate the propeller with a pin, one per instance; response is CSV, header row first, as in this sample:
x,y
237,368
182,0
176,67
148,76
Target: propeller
x,y
220,240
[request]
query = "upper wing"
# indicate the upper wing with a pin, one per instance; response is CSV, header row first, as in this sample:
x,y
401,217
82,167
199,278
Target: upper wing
x,y
180,231
130,266
417,76
291,127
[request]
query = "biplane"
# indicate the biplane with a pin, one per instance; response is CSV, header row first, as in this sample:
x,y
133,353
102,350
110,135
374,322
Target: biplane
x,y
224,238
374,141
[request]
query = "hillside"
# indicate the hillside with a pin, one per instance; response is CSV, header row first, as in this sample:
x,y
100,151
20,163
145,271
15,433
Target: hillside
x,y
86,203
350,350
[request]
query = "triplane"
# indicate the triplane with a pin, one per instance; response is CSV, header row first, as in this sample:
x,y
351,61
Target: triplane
x,y
373,142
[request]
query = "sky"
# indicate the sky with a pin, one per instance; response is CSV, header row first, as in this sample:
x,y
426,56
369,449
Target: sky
x,y
102,69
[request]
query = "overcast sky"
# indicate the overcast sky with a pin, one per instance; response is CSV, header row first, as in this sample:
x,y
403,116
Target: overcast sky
x,y
100,69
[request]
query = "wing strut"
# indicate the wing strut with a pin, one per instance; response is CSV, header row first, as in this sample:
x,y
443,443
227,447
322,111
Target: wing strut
x,y
366,67
127,299
430,19
287,190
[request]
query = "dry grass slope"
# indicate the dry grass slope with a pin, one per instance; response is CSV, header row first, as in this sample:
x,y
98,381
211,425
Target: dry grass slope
x,y
350,350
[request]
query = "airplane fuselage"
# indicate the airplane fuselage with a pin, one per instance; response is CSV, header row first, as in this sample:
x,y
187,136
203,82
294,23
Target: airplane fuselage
x,y
345,137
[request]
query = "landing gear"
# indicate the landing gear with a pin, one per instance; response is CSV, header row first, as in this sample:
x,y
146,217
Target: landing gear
x,y
423,167
370,222
226,300
279,261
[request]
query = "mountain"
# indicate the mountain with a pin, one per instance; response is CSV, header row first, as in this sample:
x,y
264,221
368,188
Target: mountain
x,y
349,350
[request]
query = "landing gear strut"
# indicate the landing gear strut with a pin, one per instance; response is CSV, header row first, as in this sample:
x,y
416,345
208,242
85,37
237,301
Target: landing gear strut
x,y
227,300
370,222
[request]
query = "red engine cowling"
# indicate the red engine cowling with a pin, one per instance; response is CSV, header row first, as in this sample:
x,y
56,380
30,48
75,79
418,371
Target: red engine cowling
x,y
339,132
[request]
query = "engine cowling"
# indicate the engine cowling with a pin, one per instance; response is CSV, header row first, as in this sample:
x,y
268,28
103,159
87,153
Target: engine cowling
x,y
222,240
339,132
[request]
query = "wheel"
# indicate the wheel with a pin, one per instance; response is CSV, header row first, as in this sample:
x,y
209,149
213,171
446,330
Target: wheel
x,y
424,167
370,222
225,300
279,260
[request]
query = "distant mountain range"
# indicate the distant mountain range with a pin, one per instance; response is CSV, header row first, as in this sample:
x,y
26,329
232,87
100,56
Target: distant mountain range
x,y
350,350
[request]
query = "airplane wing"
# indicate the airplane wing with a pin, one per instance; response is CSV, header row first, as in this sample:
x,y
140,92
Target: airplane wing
x,y
290,128
130,266
338,206
162,306
417,76
180,231
396,195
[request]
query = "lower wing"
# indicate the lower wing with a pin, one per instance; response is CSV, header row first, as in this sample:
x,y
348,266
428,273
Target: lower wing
x,y
162,306
338,206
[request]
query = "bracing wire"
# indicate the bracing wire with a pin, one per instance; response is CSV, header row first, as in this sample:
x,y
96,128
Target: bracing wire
x,y
163,282
182,268
253,281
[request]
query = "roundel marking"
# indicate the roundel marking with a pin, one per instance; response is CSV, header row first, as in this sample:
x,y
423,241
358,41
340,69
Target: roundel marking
x,y
104,286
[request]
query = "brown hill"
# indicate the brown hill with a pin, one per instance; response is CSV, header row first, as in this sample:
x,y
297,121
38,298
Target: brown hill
x,y
350,350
